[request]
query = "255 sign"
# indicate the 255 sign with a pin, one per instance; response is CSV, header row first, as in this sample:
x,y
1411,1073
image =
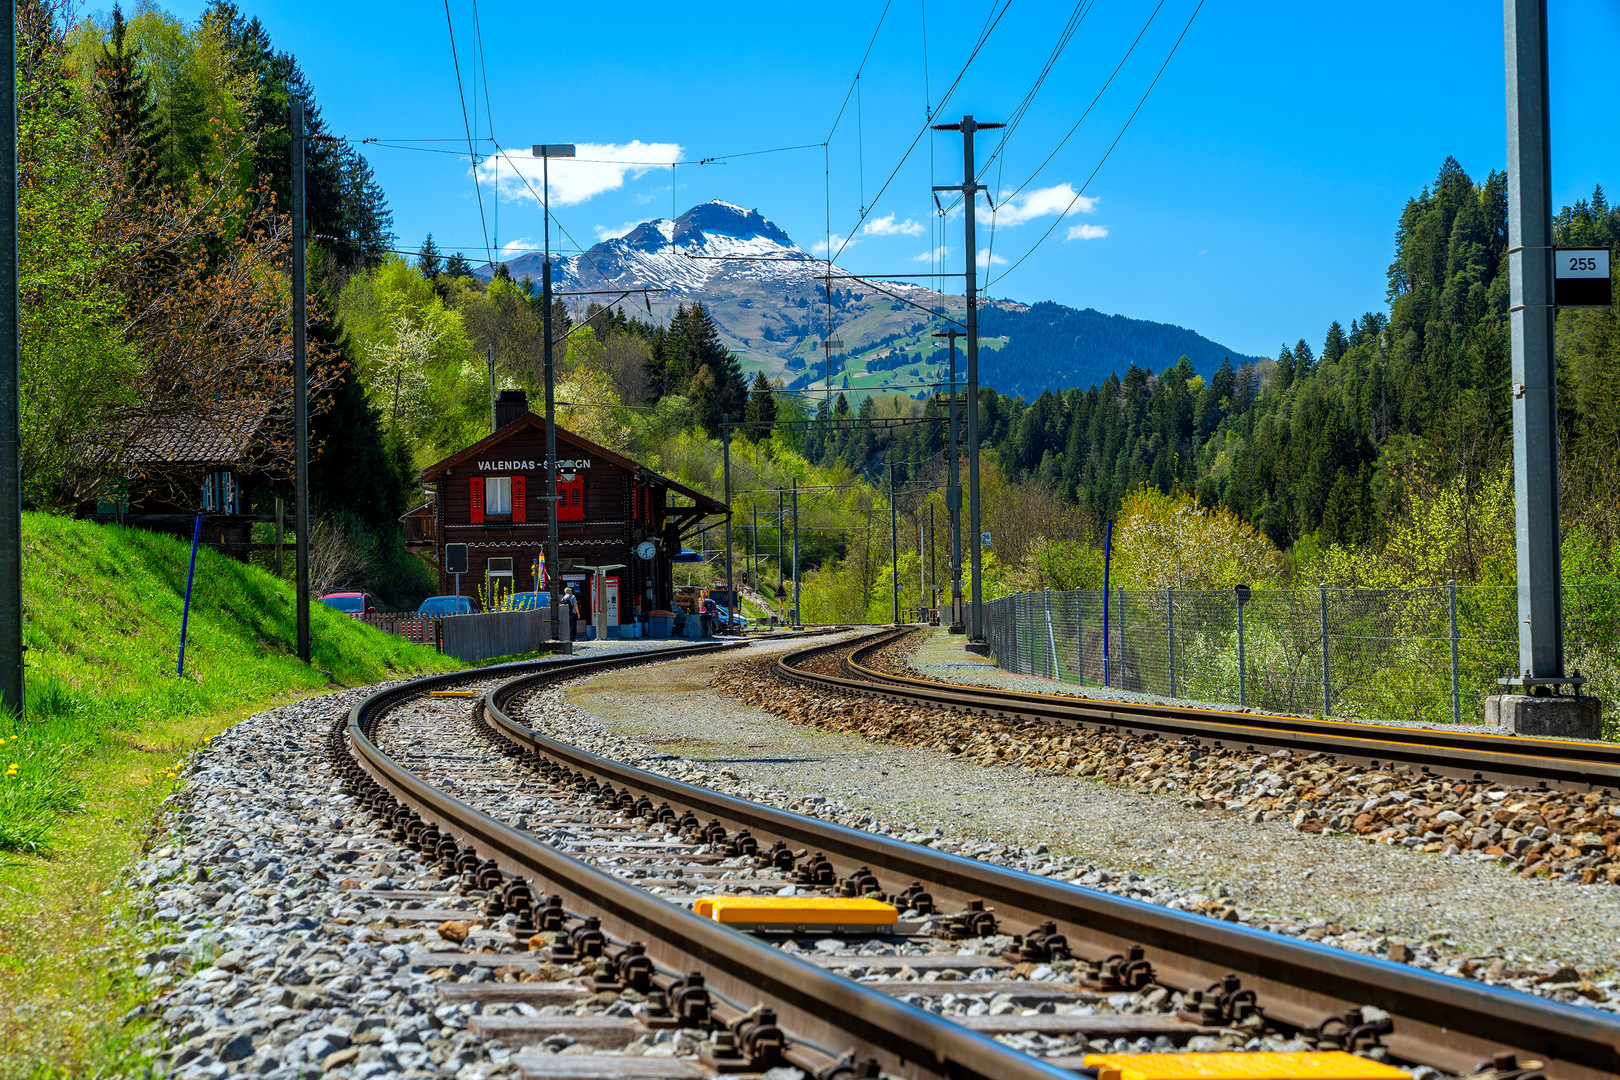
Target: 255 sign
x,y
1581,277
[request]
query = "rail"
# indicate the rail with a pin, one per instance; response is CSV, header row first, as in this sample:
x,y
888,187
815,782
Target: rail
x,y
810,1003
1512,759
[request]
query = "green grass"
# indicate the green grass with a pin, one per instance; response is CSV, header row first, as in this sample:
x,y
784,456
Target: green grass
x,y
107,726
102,625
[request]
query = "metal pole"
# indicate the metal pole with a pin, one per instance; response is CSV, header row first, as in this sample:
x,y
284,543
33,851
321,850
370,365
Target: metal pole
x,y
1051,637
492,425
725,452
894,547
796,617
11,601
1243,688
553,548
300,381
970,190
922,574
953,493
185,610
781,523
1531,321
933,563
753,572
1108,553
1456,689
1170,631
1327,685
1121,618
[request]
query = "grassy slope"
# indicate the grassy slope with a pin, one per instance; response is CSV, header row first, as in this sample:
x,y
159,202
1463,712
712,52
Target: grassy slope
x,y
107,723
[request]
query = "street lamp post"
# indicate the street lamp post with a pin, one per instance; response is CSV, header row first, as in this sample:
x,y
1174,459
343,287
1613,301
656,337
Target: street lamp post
x,y
545,152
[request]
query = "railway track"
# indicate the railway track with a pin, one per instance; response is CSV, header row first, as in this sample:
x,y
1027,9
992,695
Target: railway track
x,y
1516,760
607,858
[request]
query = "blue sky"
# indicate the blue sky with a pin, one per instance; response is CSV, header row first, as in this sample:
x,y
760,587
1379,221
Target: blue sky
x,y
1253,198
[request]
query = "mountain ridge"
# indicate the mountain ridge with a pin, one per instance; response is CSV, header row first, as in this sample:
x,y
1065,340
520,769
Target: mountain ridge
x,y
769,299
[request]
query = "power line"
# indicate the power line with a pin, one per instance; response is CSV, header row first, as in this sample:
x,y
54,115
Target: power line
x,y
466,123
1106,154
1063,141
855,82
990,26
1082,8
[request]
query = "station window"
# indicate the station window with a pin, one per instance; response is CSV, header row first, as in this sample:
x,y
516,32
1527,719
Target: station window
x,y
498,495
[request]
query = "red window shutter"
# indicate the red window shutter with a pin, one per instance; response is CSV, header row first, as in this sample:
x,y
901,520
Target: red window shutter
x,y
520,490
476,490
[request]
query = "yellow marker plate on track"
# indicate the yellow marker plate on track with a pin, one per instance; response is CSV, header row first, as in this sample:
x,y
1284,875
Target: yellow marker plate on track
x,y
1328,1065
787,912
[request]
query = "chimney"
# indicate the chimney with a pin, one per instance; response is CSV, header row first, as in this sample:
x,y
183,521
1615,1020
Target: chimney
x,y
511,405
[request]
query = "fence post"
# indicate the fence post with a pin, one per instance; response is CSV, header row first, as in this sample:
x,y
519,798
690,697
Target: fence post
x,y
1121,619
1080,636
1327,689
1170,634
1451,612
1243,675
1051,638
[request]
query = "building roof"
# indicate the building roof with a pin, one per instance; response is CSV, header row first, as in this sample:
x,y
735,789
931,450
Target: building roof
x,y
224,436
530,420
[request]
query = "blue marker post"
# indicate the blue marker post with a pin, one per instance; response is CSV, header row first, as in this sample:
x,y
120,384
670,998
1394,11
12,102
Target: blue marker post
x,y
1108,553
185,612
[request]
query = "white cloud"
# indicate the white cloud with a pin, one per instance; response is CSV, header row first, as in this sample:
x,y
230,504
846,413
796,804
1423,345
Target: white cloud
x,y
607,232
1042,202
937,255
821,247
987,260
598,167
513,248
887,226
1086,232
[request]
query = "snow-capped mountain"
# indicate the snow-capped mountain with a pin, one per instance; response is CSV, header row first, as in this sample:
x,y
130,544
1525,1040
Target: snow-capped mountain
x,y
713,242
769,298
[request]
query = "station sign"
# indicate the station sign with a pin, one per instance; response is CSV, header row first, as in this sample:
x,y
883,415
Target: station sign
x,y
1581,277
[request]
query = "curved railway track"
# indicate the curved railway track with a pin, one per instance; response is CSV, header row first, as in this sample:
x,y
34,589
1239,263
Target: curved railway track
x,y
837,1028
1507,759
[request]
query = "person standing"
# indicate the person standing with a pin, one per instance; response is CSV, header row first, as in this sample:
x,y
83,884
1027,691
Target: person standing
x,y
573,612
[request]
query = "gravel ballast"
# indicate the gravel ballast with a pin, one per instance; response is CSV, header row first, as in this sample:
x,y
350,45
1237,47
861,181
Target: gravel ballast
x,y
1453,914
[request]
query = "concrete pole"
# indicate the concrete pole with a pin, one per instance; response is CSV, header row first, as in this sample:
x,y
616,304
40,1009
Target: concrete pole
x,y
300,320
1531,320
11,601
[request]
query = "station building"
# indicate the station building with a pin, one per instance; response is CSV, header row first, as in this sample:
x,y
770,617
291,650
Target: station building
x,y
611,512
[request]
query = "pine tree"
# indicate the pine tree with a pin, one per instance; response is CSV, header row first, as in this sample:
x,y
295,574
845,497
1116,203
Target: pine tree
x,y
1335,346
761,408
1285,365
429,261
457,266
1304,359
128,118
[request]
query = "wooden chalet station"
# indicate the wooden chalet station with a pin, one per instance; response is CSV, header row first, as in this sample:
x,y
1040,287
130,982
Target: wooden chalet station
x,y
611,512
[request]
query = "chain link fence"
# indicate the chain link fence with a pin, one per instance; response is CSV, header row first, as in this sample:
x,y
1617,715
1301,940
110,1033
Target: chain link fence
x,y
1429,654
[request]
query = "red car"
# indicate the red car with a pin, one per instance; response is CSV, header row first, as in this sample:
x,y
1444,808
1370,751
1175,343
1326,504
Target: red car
x,y
350,603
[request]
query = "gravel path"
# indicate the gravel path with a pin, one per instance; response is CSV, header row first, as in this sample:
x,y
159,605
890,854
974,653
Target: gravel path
x,y
1456,915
